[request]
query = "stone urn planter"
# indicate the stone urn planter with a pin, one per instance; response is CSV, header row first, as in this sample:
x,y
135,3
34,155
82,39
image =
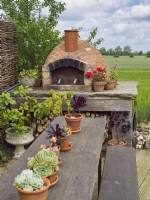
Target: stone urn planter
x,y
26,80
19,140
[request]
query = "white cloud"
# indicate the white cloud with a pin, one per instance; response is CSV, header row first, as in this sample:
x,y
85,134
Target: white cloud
x,y
119,22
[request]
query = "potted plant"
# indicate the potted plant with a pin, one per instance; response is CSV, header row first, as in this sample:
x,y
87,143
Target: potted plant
x,y
74,117
31,186
28,76
99,79
14,121
62,134
45,163
53,146
112,79
119,126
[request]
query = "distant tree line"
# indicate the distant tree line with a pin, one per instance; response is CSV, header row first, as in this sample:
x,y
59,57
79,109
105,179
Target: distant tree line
x,y
125,51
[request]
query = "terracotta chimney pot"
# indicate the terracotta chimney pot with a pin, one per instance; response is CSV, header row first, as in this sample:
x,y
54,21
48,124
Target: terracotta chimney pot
x,y
71,40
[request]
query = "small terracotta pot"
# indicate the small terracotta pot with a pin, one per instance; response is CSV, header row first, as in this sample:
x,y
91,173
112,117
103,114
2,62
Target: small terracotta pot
x,y
114,142
65,142
74,122
110,85
38,82
98,86
35,195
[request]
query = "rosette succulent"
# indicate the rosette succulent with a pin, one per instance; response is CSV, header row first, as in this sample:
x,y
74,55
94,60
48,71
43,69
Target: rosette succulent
x,y
28,181
44,163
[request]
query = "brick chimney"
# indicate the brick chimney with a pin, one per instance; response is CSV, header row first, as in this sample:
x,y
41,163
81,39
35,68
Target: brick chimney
x,y
71,40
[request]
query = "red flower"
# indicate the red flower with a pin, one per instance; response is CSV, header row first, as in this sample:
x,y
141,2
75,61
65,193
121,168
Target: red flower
x,y
88,74
94,72
99,69
104,76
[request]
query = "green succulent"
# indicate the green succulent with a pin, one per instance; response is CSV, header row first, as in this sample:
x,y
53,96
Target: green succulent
x,y
29,181
32,73
44,163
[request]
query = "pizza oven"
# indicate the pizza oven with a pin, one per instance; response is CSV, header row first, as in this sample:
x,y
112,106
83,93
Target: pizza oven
x,y
66,65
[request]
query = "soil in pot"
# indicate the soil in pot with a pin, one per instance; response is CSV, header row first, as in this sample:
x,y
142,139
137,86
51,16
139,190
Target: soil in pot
x,y
74,122
35,195
114,142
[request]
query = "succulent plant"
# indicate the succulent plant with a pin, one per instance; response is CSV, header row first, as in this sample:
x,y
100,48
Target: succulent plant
x,y
44,163
28,181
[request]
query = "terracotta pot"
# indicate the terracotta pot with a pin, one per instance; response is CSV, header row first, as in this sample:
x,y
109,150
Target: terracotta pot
x,y
114,142
65,142
98,86
74,122
110,85
53,178
35,195
38,82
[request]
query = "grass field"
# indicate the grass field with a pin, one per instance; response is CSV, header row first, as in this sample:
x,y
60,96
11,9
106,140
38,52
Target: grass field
x,y
135,69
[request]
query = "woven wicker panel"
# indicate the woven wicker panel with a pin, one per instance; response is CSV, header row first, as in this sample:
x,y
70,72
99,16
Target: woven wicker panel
x,y
8,72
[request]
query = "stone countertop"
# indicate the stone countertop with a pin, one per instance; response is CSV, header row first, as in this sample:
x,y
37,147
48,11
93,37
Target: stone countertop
x,y
124,89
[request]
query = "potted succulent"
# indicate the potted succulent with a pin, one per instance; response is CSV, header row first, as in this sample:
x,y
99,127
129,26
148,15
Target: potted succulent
x,y
99,79
74,117
45,163
62,134
28,76
31,186
112,79
119,126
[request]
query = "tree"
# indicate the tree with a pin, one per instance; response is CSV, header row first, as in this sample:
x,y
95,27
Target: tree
x,y
92,36
118,50
140,53
110,52
127,50
103,51
148,54
36,34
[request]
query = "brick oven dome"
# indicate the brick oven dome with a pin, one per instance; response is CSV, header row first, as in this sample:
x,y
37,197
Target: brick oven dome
x,y
86,53
85,58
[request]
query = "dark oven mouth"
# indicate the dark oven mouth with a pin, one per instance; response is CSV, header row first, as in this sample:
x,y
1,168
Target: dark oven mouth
x,y
67,76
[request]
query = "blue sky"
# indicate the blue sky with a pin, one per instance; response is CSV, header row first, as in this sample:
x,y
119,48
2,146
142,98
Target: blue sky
x,y
119,22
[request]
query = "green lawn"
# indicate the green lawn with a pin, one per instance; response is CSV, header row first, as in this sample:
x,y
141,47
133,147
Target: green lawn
x,y
135,69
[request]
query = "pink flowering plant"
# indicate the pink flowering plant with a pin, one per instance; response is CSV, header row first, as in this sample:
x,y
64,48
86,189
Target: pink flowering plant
x,y
113,74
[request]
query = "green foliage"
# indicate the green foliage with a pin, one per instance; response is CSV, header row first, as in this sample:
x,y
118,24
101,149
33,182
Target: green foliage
x,y
92,37
32,73
6,154
5,100
137,69
28,181
21,90
44,163
148,54
36,34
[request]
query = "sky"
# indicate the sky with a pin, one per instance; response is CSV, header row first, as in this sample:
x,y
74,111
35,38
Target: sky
x,y
119,22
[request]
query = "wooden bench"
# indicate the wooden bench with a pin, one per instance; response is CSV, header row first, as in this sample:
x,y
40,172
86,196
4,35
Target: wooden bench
x,y
79,166
119,179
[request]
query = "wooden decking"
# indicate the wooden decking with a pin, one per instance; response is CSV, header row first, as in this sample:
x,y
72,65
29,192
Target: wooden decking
x,y
143,171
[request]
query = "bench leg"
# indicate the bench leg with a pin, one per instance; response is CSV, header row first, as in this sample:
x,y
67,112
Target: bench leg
x,y
99,173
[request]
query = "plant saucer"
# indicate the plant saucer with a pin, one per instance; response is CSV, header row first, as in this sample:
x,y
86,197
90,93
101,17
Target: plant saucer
x,y
56,180
76,132
66,149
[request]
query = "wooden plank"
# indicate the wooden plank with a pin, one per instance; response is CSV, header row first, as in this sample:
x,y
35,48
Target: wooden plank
x,y
119,181
79,168
143,168
144,190
141,155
